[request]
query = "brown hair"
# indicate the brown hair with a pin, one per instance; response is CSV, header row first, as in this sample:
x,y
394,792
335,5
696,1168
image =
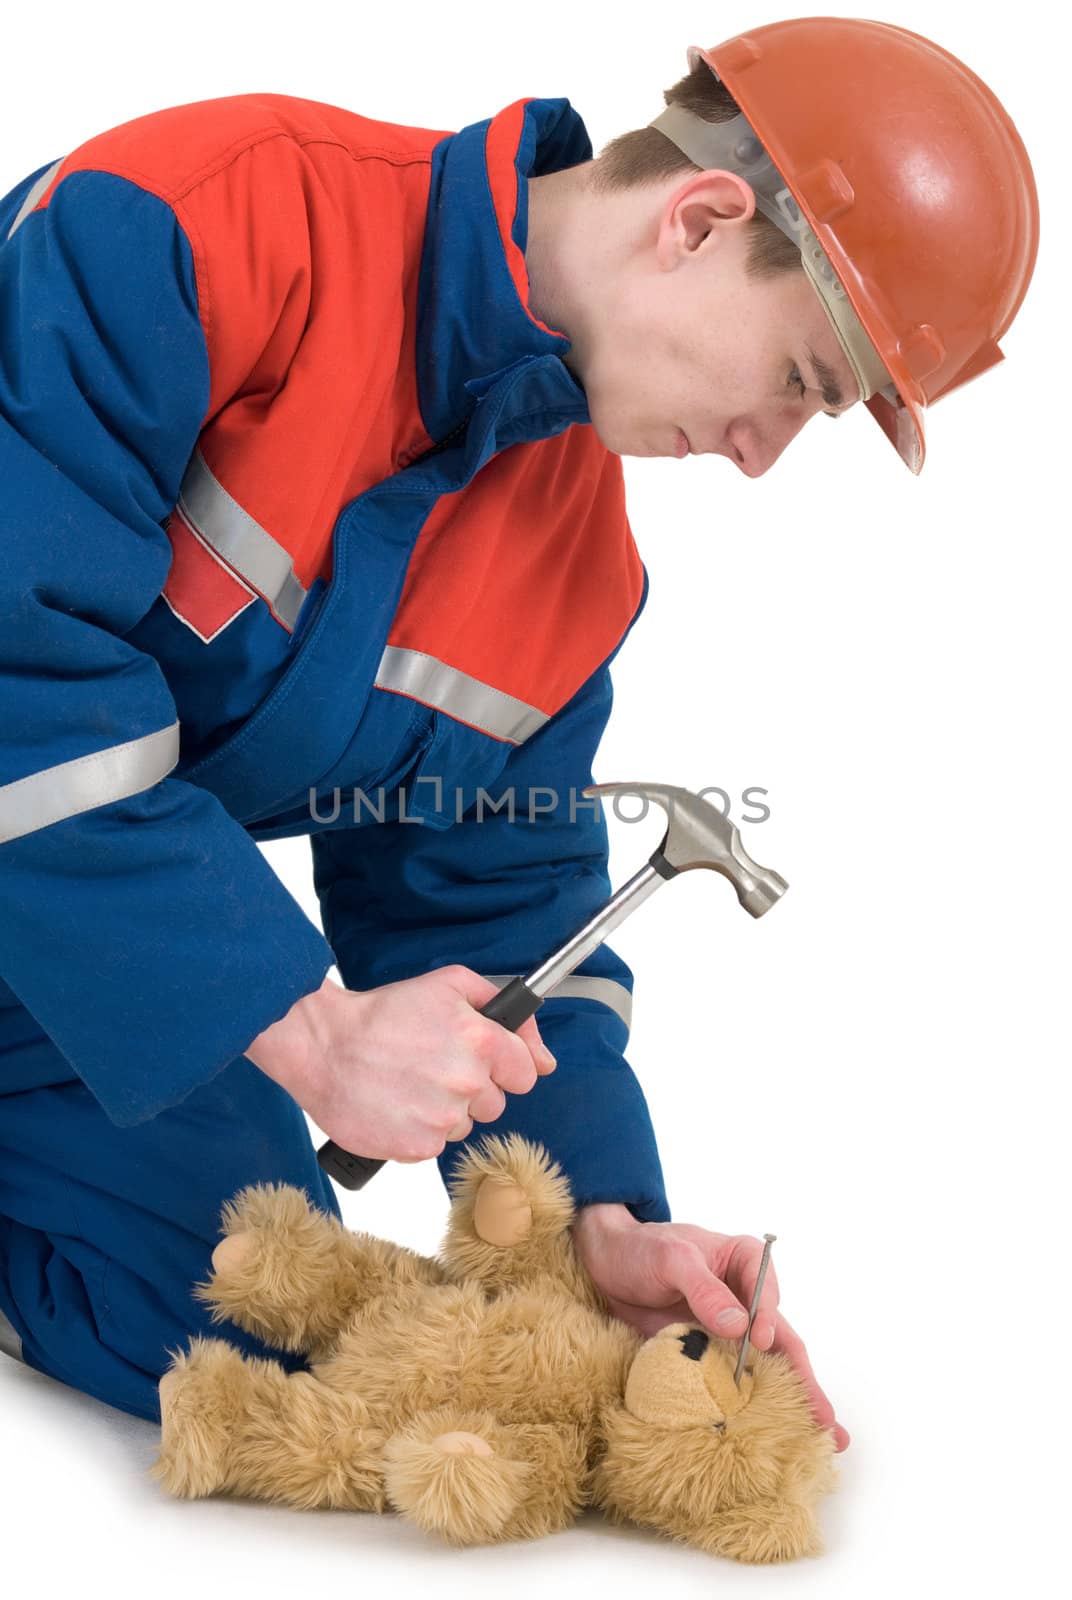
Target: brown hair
x,y
646,155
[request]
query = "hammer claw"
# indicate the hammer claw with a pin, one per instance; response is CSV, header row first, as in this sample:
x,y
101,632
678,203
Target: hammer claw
x,y
698,835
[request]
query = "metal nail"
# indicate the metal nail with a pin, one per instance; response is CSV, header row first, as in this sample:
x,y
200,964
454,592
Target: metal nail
x,y
770,1238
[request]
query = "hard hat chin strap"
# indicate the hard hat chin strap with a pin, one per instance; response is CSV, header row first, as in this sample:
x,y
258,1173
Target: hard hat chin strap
x,y
734,147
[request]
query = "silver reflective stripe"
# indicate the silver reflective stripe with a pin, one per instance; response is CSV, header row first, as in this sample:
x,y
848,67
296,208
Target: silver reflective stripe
x,y
435,684
95,780
605,990
239,540
10,1343
35,194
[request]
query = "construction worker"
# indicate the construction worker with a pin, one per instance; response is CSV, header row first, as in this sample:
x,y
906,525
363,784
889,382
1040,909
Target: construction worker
x,y
312,523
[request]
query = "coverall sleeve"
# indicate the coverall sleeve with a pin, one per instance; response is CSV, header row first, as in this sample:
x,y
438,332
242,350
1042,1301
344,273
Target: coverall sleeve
x,y
139,922
499,896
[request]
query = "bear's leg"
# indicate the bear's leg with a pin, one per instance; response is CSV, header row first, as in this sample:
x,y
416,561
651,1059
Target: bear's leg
x,y
471,1479
509,1220
293,1276
244,1426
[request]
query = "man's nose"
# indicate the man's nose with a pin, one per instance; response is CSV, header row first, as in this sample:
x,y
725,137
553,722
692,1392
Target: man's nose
x,y
759,448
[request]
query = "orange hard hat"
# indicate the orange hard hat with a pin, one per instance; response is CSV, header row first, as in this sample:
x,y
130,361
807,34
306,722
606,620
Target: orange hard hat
x,y
905,184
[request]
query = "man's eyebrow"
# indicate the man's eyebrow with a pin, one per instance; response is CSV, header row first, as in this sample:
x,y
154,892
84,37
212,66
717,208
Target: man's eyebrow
x,y
825,379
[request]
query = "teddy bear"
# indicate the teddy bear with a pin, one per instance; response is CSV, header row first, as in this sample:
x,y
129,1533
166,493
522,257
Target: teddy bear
x,y
486,1395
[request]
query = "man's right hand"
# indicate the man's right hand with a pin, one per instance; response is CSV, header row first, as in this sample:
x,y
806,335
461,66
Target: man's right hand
x,y
395,1072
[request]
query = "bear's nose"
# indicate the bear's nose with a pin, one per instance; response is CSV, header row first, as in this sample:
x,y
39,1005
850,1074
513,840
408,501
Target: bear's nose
x,y
694,1343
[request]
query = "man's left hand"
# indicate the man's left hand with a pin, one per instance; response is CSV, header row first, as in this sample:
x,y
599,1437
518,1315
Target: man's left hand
x,y
653,1273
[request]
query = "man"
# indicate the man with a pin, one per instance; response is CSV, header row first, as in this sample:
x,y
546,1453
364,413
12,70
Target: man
x,y
310,431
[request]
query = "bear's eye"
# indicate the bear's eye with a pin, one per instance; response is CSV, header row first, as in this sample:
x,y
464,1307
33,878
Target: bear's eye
x,y
719,1427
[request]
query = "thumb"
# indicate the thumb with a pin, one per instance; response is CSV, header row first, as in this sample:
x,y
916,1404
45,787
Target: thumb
x,y
711,1301
472,986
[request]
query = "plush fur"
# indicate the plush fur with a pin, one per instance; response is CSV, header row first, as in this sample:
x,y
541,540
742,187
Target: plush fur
x,y
486,1395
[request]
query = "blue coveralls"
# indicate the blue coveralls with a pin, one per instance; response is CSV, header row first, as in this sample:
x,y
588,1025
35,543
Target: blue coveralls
x,y
144,940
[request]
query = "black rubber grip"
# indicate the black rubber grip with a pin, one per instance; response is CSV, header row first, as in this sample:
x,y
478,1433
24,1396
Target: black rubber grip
x,y
353,1172
512,1006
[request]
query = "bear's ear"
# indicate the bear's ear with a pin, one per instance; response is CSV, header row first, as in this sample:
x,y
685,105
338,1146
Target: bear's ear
x,y
637,1473
764,1531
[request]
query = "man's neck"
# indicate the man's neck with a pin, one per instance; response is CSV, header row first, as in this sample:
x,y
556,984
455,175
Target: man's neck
x,y
580,239
557,253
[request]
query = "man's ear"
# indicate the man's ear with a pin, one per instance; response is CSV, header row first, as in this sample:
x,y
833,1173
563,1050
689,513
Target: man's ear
x,y
691,213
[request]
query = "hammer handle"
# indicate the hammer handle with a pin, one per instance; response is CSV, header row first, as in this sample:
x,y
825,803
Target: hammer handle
x,y
512,1006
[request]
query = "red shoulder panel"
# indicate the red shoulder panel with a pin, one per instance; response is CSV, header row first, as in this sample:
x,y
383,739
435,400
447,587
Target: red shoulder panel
x,y
305,222
528,577
171,151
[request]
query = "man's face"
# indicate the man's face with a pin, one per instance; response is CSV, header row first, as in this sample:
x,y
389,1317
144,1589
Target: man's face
x,y
679,342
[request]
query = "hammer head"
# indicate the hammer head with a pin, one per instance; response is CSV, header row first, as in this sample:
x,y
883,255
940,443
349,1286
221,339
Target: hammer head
x,y
698,835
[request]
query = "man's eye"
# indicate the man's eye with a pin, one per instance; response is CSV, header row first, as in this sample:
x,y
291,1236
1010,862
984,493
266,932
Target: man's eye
x,y
795,377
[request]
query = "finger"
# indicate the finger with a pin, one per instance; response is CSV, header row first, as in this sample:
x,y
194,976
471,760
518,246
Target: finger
x,y
509,1059
746,1257
789,1343
529,1033
648,1320
488,1104
479,991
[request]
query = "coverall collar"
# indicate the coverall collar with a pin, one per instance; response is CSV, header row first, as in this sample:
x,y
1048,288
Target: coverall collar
x,y
474,321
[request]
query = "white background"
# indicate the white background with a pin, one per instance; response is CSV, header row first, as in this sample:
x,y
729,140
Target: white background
x,y
875,1071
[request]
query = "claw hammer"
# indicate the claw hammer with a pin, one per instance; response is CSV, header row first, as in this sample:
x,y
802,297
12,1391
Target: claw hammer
x,y
697,835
